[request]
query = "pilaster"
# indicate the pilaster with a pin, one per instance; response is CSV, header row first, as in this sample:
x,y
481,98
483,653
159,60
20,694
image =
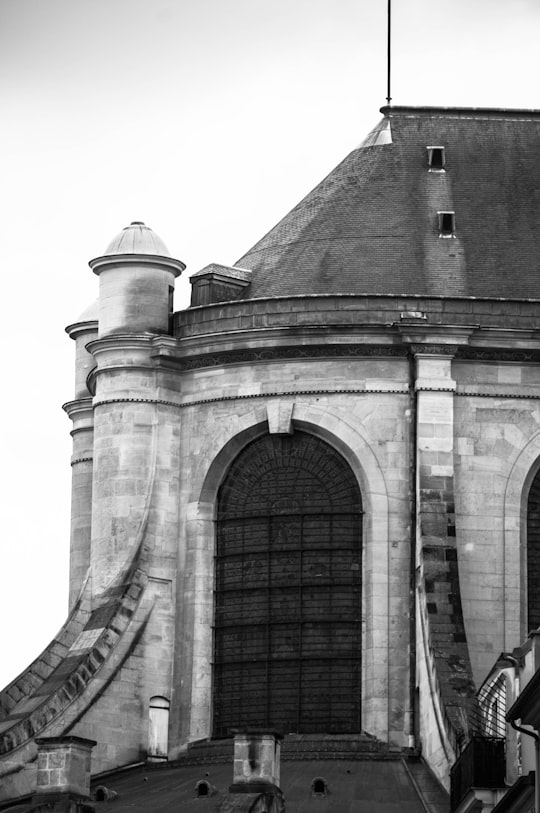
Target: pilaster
x,y
441,634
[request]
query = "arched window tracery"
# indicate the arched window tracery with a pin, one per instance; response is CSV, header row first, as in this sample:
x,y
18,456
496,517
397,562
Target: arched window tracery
x,y
288,608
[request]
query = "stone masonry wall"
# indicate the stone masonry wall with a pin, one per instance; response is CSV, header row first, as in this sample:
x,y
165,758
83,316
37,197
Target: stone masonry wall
x,y
497,441
361,408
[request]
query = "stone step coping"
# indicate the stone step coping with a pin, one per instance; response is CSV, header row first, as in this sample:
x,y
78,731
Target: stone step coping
x,y
296,747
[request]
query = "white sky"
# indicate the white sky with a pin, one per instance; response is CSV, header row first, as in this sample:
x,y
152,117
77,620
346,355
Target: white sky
x,y
208,120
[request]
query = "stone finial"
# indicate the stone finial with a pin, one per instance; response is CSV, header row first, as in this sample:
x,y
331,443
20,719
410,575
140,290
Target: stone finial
x,y
64,766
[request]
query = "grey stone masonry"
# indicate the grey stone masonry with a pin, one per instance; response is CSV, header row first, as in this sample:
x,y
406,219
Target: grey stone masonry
x,y
64,766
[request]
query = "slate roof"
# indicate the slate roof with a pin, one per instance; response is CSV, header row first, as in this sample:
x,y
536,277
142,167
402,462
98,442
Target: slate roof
x,y
377,786
371,227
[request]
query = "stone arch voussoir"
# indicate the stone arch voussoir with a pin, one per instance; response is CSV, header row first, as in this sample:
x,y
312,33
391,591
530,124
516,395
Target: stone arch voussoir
x,y
522,474
352,443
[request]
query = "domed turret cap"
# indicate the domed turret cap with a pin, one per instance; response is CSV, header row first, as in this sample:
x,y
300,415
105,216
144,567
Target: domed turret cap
x,y
137,241
137,238
87,321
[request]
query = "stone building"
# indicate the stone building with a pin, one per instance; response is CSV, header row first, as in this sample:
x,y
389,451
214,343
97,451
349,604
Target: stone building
x,y
309,502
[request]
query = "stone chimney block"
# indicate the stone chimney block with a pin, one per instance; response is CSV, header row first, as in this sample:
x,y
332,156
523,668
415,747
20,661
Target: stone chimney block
x,y
64,765
257,757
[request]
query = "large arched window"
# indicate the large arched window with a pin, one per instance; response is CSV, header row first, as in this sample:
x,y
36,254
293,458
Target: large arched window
x,y
287,650
533,555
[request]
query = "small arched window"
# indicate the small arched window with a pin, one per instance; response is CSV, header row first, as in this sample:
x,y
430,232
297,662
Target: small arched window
x,y
158,729
319,787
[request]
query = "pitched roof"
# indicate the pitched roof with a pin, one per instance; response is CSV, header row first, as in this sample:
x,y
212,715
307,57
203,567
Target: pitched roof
x,y
372,225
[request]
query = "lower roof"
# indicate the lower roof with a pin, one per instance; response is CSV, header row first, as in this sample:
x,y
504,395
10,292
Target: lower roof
x,y
380,786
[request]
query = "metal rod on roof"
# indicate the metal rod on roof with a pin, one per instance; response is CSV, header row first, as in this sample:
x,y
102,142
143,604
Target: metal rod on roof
x,y
388,52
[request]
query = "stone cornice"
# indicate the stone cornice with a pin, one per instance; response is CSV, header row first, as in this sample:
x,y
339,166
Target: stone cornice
x,y
433,335
279,335
120,341
79,408
99,264
200,352
79,429
79,328
309,351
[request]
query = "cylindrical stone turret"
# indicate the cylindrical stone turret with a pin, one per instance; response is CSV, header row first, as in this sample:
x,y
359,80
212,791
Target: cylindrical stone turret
x,y
81,413
136,283
130,436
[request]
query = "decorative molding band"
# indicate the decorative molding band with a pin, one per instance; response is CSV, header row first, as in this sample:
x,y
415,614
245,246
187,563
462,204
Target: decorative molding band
x,y
284,393
435,389
514,396
286,353
290,393
123,368
479,354
82,460
157,401
434,349
89,428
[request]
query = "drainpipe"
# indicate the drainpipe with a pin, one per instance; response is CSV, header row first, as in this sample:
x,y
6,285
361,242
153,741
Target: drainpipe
x,y
413,519
536,738
517,664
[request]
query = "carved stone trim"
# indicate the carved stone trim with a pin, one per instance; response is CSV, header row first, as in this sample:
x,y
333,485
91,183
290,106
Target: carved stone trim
x,y
157,401
435,389
280,353
404,391
434,349
515,396
82,460
497,354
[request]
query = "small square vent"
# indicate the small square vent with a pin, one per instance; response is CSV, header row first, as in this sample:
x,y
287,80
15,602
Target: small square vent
x,y
436,159
447,224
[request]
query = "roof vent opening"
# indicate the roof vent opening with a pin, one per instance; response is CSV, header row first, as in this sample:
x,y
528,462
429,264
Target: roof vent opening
x,y
319,787
447,224
204,788
436,159
103,794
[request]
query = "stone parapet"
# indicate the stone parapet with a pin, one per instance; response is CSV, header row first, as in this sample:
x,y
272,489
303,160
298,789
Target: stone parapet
x,y
344,309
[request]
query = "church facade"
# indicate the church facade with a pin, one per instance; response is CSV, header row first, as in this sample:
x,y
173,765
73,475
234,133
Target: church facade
x,y
310,501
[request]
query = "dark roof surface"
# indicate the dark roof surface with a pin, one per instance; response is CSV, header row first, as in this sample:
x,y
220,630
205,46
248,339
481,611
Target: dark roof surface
x,y
372,227
378,786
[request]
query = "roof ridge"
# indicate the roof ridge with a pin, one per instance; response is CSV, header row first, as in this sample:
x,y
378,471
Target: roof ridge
x,y
476,112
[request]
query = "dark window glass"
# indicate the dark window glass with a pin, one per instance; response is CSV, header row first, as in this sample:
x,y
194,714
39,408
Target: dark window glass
x,y
288,590
533,555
